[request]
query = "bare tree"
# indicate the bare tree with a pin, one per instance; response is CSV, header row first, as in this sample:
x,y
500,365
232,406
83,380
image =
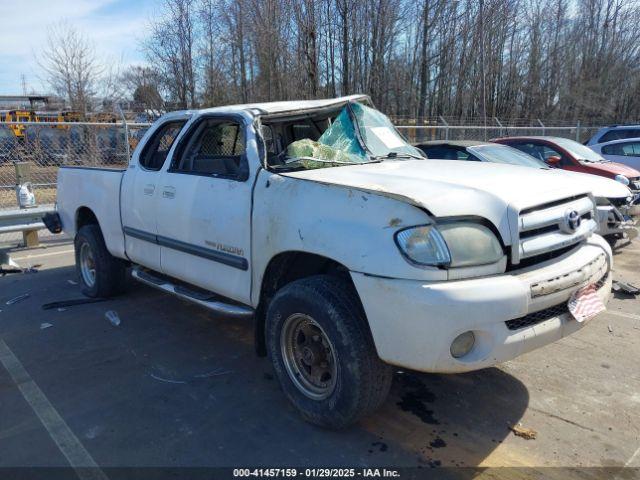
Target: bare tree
x,y
143,85
554,59
70,66
171,50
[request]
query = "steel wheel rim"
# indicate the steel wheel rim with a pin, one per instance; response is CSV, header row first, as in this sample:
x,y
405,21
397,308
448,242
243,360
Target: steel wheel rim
x,y
309,356
87,265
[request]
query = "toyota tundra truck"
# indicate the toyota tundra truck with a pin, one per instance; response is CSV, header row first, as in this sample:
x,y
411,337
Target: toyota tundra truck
x,y
351,253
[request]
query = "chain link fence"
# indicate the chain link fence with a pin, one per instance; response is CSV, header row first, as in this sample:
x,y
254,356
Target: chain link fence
x,y
33,151
37,149
441,131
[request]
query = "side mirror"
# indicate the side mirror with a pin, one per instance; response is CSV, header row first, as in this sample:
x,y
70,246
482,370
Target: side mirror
x,y
553,160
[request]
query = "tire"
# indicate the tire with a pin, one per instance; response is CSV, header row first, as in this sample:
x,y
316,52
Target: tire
x,y
110,273
358,381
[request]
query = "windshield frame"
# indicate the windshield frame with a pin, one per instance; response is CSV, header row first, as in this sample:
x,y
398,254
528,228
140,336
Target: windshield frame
x,y
358,127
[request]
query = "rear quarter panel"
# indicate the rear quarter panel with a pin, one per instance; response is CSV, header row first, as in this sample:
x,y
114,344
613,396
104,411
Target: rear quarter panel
x,y
98,190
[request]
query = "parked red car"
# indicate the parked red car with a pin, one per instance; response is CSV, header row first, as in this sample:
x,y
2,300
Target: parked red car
x,y
570,155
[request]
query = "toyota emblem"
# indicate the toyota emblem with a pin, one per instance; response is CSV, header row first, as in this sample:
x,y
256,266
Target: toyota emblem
x,y
571,221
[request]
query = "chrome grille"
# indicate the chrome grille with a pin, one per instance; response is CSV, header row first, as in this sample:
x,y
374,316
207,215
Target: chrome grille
x,y
546,228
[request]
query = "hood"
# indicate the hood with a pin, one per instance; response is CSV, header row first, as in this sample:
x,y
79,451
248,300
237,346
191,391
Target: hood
x,y
611,169
599,186
454,188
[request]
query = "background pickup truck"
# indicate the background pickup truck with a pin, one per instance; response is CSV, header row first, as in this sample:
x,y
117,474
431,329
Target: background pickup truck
x,y
350,250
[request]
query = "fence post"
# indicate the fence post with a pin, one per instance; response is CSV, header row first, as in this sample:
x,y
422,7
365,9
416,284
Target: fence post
x,y
126,133
542,125
499,124
23,175
446,127
578,132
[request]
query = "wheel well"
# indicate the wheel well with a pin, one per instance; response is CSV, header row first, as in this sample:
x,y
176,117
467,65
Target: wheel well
x,y
85,216
285,268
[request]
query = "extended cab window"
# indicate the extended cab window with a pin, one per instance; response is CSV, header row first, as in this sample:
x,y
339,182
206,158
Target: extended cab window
x,y
158,146
215,147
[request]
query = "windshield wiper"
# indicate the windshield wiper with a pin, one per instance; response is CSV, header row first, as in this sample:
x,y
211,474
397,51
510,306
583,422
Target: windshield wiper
x,y
604,160
397,155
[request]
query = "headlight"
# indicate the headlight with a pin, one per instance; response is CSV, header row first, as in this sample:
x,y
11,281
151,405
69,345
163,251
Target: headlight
x,y
458,244
424,245
622,179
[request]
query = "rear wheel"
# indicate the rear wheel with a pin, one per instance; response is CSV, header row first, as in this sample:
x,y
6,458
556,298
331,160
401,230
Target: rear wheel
x,y
100,273
322,352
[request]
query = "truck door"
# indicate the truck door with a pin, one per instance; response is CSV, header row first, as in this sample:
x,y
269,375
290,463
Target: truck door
x,y
140,194
204,207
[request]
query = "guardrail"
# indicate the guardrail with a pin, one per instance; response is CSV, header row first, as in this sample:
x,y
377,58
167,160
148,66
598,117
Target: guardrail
x,y
25,220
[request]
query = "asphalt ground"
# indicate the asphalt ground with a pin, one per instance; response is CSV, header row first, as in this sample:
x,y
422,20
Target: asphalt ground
x,y
174,387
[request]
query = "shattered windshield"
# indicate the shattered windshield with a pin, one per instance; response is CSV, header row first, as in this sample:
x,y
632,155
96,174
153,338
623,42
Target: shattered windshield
x,y
359,134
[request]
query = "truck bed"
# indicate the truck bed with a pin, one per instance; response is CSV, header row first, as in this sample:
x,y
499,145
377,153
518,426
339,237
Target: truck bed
x,y
99,190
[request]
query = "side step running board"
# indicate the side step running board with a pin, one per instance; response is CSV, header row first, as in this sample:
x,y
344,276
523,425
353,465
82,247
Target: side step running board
x,y
210,302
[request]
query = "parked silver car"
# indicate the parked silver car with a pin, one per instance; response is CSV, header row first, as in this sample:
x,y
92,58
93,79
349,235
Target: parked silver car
x,y
625,151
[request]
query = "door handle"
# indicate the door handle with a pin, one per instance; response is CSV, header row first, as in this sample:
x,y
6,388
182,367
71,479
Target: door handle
x,y
149,188
168,192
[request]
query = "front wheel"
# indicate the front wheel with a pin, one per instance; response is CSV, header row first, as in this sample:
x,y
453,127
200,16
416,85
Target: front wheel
x,y
322,352
100,273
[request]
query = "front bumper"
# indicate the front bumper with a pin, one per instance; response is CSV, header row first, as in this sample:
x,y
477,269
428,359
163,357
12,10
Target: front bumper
x,y
413,323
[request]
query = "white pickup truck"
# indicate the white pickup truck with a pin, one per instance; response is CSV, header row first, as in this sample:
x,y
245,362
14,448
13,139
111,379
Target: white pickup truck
x,y
350,250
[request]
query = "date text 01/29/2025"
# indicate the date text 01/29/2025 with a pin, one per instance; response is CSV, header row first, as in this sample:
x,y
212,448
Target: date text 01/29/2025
x,y
316,472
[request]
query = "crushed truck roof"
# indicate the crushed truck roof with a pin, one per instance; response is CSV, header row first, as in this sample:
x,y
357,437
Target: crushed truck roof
x,y
274,108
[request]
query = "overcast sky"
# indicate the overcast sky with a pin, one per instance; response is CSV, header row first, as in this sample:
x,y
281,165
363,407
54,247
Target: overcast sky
x,y
115,26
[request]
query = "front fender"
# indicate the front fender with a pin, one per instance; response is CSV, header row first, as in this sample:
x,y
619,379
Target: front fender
x,y
352,227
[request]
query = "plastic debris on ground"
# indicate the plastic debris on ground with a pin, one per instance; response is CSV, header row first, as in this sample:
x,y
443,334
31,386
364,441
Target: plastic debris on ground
x,y
624,287
523,432
610,329
5,259
166,380
72,282
113,318
45,325
213,373
13,267
19,298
